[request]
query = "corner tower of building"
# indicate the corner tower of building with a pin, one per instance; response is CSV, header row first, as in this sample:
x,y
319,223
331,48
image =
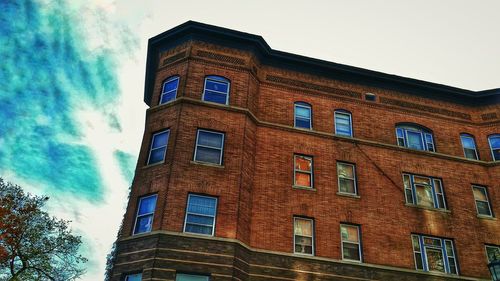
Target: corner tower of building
x,y
258,164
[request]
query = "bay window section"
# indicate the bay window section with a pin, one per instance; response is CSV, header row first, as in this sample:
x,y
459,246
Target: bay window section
x,y
169,89
424,191
469,146
209,147
145,214
200,214
434,254
303,236
158,148
415,137
303,171
216,89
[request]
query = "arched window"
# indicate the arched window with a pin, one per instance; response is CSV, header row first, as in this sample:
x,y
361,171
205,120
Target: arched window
x,y
216,89
469,146
302,115
414,136
169,89
494,141
343,122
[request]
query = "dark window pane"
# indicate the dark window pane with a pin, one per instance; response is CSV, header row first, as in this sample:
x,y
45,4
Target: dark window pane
x,y
303,112
435,259
210,139
201,229
170,85
483,208
351,251
470,153
401,142
215,97
347,186
468,142
209,155
194,219
147,205
143,224
409,196
302,123
168,97
157,155
418,261
414,140
496,154
453,268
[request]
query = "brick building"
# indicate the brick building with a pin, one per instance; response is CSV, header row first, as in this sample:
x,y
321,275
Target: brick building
x,y
262,165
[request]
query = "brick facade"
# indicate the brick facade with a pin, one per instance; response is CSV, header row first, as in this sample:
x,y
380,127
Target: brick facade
x,y
254,185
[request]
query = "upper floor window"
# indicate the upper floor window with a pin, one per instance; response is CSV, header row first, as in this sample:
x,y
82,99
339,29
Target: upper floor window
x,y
415,137
133,277
158,147
434,254
492,253
346,178
351,242
494,141
191,277
145,214
303,171
209,147
169,89
303,115
424,191
303,236
469,146
482,202
343,123
200,214
216,89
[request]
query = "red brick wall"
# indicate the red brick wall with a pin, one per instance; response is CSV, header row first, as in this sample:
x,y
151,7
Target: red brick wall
x,y
254,185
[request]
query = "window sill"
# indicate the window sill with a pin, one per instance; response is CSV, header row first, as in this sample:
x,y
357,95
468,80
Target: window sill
x,y
486,217
349,195
208,164
304,254
427,208
303,187
153,165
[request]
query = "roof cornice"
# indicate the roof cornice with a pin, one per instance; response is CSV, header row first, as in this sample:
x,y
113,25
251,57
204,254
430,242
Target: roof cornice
x,y
240,40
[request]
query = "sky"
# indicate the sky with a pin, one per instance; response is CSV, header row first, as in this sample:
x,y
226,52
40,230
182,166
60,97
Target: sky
x,y
72,79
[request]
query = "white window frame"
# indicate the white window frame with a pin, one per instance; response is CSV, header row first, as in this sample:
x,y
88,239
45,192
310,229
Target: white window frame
x,y
343,112
468,136
303,105
206,146
202,215
295,170
435,192
163,146
350,242
491,147
143,215
487,198
170,79
220,80
486,251
353,179
444,244
312,237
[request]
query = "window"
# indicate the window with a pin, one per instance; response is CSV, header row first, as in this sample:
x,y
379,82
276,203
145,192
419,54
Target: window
x,y
424,191
200,214
469,146
351,242
169,89
492,253
133,277
482,203
303,171
191,277
494,141
343,123
415,137
303,115
216,89
346,178
158,147
434,254
303,238
209,147
145,214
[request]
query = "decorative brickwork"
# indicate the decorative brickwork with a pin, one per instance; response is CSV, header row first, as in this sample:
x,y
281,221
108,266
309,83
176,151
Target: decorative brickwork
x,y
426,108
173,58
220,57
